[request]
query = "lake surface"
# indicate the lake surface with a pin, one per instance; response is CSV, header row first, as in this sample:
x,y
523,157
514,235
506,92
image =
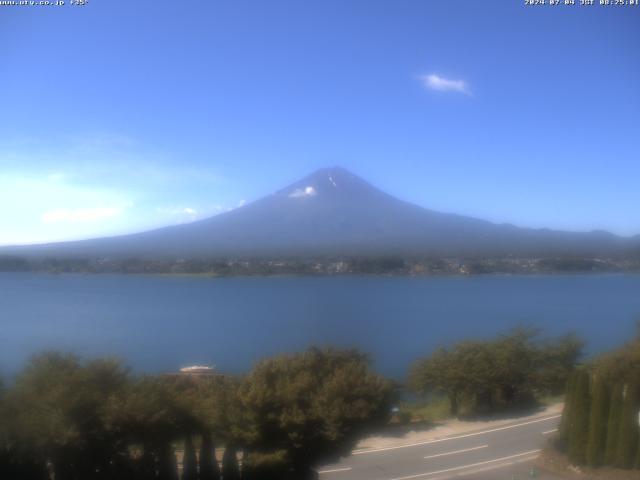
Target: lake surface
x,y
158,323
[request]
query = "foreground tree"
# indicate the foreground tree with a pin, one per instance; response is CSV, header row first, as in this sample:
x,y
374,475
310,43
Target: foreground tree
x,y
230,468
565,422
209,469
556,360
438,375
613,424
497,374
313,405
598,422
58,406
628,431
265,466
189,461
578,421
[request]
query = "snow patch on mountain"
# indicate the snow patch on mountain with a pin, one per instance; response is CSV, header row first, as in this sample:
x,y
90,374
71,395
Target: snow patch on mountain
x,y
303,192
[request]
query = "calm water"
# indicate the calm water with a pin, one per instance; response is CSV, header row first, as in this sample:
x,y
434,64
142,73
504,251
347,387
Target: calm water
x,y
161,323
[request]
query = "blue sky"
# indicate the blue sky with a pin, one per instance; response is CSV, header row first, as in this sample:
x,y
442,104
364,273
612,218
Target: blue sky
x,y
121,116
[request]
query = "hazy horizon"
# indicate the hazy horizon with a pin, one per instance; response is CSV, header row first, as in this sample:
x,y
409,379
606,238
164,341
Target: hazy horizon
x,y
244,203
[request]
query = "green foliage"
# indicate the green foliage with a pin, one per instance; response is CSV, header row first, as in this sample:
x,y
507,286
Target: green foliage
x,y
314,405
598,422
578,422
189,461
92,420
628,435
637,461
556,361
613,424
431,409
57,412
623,364
167,465
209,468
563,429
497,374
439,374
266,466
230,468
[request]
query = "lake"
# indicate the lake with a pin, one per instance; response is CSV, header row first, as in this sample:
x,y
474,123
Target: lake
x,y
160,323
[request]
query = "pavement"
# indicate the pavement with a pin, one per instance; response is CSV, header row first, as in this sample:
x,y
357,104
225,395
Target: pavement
x,y
507,450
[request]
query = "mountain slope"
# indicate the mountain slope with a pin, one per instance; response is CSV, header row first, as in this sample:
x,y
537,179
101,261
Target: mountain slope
x,y
329,212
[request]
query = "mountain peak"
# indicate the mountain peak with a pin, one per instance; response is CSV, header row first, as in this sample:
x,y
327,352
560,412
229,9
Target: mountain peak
x,y
330,182
334,212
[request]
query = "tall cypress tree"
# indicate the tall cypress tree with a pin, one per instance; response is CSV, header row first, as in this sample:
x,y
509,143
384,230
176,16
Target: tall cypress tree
x,y
189,461
565,421
209,469
598,421
628,438
579,429
145,466
613,425
230,469
167,468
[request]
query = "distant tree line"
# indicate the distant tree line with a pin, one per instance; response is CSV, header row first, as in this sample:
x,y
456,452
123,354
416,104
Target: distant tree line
x,y
68,419
483,376
600,422
359,265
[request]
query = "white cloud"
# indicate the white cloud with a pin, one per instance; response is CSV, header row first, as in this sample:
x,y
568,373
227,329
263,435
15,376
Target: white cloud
x,y
189,212
441,84
80,214
303,192
242,203
74,188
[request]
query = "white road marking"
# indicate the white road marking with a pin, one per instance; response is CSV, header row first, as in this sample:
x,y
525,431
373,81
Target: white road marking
x,y
456,451
550,431
453,469
489,468
335,470
428,442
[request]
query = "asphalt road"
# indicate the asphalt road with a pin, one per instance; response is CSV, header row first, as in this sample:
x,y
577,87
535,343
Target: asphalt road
x,y
505,452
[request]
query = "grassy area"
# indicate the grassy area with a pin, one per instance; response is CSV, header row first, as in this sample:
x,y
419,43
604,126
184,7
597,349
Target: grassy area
x,y
550,400
437,408
432,410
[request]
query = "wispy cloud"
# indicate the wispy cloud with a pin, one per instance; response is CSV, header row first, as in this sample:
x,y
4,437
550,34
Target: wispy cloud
x,y
186,212
436,82
85,187
80,214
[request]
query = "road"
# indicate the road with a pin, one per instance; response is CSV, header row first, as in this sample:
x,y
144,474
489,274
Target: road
x,y
505,452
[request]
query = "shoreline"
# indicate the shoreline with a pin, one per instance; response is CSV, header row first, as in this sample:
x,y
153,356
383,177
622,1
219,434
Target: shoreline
x,y
210,275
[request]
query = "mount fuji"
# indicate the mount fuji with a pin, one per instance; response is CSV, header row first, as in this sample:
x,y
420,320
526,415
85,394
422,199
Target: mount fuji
x,y
334,212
